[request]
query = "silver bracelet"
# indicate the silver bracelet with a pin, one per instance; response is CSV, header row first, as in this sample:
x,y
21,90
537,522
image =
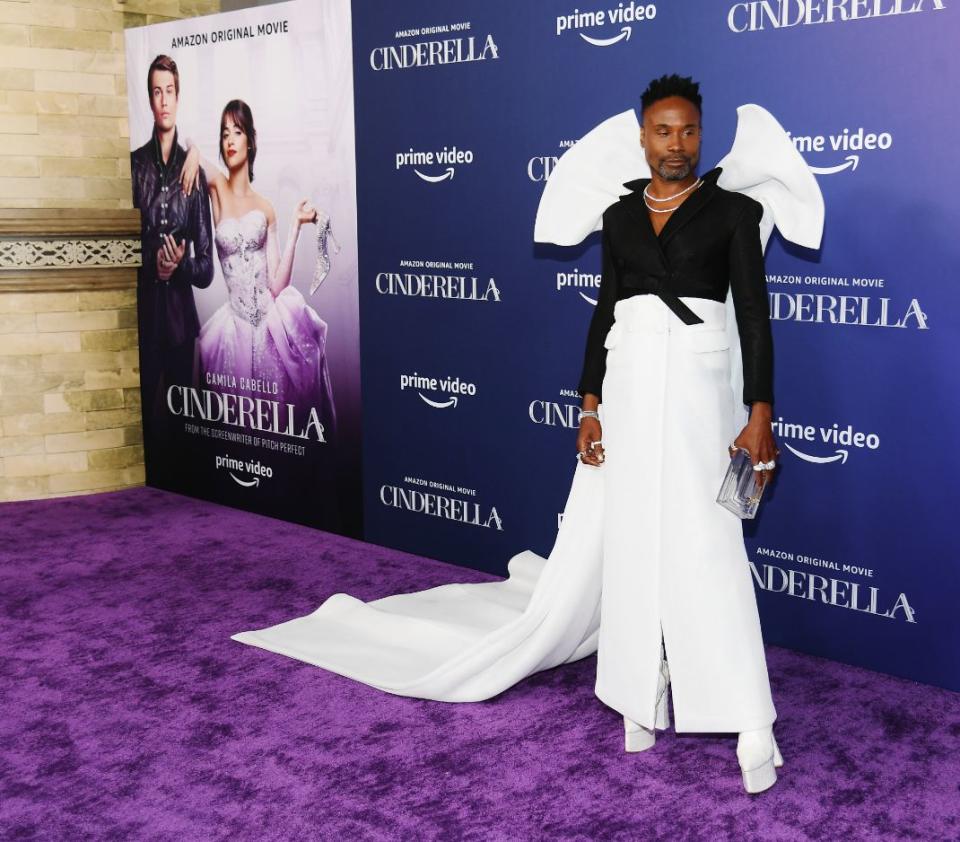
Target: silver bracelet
x,y
589,413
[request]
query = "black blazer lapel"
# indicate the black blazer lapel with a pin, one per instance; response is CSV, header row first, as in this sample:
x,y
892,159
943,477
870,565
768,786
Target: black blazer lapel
x,y
694,203
647,240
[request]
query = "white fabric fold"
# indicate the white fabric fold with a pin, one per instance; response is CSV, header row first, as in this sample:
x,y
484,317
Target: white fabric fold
x,y
765,165
465,642
588,178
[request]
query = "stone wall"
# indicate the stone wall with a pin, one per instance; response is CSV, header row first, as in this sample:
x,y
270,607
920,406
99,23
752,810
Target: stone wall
x,y
69,377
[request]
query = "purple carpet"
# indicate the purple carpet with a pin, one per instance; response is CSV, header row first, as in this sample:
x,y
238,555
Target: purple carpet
x,y
128,713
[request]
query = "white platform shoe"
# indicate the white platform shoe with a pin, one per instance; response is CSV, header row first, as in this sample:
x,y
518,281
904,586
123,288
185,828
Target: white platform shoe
x,y
638,738
759,759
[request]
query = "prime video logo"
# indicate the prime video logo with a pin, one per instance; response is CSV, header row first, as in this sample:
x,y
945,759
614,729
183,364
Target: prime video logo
x,y
622,15
855,142
448,157
255,467
843,439
453,386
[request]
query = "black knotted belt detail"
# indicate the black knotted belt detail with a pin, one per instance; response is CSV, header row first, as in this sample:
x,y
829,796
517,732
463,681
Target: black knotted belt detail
x,y
653,285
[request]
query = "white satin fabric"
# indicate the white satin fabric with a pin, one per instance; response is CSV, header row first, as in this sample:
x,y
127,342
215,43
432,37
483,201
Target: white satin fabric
x,y
673,559
642,534
466,642
762,163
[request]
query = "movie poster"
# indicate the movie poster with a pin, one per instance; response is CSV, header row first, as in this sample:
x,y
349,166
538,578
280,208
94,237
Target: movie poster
x,y
242,162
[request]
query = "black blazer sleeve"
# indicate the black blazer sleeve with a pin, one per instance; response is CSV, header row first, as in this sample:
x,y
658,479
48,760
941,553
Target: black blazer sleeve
x,y
595,357
197,270
748,283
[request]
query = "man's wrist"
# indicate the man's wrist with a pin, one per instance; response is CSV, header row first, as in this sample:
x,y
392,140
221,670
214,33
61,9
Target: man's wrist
x,y
761,411
590,402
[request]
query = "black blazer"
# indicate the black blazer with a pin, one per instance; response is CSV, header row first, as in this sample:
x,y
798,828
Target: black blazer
x,y
710,243
167,312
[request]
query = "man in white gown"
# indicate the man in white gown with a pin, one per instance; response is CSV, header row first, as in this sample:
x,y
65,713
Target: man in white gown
x,y
675,570
673,377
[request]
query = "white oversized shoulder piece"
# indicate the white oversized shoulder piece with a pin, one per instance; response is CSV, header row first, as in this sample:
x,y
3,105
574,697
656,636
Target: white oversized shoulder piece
x,y
764,165
589,178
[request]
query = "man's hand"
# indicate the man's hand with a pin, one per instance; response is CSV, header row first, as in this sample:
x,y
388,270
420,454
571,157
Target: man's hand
x,y
588,442
757,438
169,256
190,172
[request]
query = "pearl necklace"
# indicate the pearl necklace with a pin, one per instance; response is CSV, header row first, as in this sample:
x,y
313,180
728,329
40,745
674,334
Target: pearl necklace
x,y
674,196
646,196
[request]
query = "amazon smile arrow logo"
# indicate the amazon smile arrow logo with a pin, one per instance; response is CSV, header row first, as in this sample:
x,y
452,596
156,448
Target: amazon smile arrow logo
x,y
435,178
246,484
608,42
819,460
438,404
851,163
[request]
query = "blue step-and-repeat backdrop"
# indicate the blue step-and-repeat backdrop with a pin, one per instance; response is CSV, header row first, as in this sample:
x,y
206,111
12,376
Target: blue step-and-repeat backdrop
x,y
472,337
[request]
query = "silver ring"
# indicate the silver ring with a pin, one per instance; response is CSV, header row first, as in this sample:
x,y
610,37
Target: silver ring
x,y
760,466
769,466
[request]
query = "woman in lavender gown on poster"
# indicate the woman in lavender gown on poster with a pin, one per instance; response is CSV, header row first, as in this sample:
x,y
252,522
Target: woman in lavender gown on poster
x,y
265,337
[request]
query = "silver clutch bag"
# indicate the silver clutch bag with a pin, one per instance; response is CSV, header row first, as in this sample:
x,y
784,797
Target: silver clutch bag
x,y
740,491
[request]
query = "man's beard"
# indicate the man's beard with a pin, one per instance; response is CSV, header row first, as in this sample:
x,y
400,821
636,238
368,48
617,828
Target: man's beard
x,y
676,173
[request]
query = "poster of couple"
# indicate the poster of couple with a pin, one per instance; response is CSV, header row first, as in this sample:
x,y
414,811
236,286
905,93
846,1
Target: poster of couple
x,y
242,163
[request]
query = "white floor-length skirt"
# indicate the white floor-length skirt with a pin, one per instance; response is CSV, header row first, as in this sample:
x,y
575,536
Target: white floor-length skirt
x,y
643,546
674,562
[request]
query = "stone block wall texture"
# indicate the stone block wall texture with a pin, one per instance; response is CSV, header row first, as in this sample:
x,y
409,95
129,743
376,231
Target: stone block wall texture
x,y
69,393
69,376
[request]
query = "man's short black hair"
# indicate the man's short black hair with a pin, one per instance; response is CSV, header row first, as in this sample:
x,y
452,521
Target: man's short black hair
x,y
672,85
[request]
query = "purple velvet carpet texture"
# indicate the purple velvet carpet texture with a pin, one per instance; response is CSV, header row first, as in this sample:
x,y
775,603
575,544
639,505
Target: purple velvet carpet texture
x,y
128,713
